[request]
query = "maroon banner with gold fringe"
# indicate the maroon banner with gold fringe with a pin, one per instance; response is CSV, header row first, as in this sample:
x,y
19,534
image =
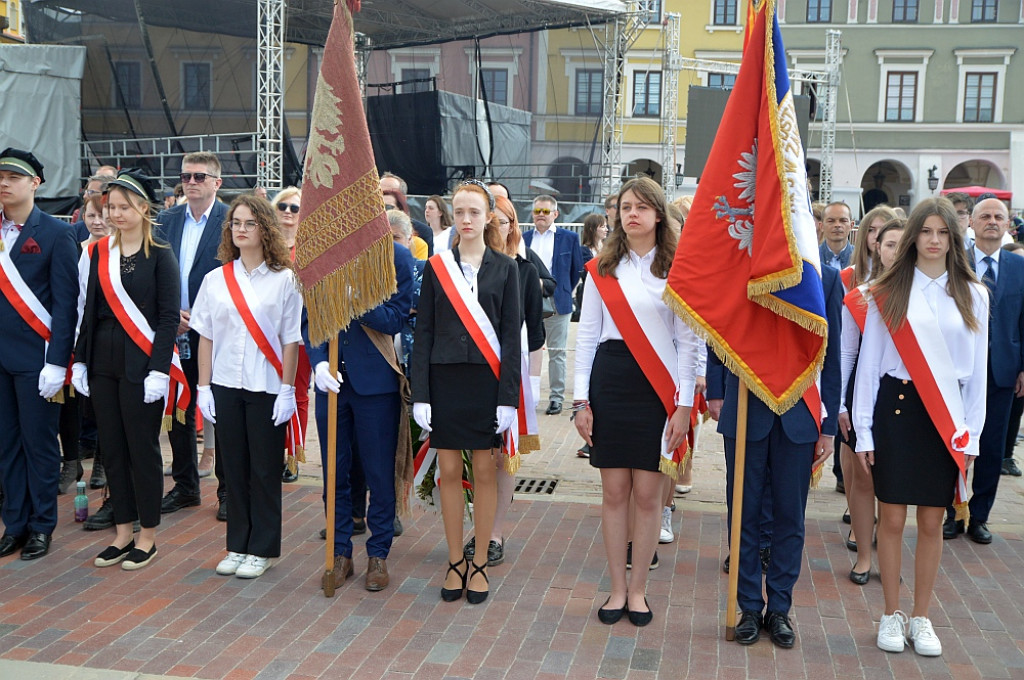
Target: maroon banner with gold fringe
x,y
343,250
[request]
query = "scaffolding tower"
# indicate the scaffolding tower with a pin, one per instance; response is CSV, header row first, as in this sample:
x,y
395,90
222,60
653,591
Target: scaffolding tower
x,y
670,106
270,94
830,89
619,36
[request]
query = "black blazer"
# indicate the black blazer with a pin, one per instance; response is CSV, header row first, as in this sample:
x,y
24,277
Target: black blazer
x,y
441,338
155,287
532,312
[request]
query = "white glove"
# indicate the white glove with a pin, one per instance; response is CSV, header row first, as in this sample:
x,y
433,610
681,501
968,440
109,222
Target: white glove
x,y
506,416
155,386
324,381
421,414
204,402
284,405
51,379
80,378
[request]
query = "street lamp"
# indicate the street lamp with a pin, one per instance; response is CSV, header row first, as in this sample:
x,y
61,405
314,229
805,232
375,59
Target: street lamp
x,y
933,180
679,175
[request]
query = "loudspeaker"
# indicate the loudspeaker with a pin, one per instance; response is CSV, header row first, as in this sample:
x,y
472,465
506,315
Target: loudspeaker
x,y
704,110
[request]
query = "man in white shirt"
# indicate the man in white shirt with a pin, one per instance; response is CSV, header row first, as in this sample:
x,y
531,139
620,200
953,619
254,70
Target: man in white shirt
x,y
193,231
559,250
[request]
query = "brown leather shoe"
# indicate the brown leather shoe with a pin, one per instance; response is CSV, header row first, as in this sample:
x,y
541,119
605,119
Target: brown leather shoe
x,y
342,570
377,574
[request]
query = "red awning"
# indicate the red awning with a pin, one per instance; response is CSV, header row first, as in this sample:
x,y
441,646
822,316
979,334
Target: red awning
x,y
974,192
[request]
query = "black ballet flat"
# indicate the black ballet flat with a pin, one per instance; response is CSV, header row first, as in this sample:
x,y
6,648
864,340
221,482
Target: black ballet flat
x,y
453,594
610,616
860,577
478,596
640,619
850,545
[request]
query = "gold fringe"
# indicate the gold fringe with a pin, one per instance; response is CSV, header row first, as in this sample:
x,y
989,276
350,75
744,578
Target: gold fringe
x,y
293,465
778,405
300,454
179,415
165,423
512,463
670,468
351,290
776,282
963,514
57,398
816,474
811,322
528,443
71,391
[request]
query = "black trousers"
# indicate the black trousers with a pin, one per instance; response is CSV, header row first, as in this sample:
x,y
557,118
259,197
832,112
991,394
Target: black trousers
x,y
185,457
1014,427
128,431
251,450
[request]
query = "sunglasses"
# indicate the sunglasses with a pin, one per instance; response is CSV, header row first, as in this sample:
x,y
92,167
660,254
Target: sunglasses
x,y
542,211
293,208
199,177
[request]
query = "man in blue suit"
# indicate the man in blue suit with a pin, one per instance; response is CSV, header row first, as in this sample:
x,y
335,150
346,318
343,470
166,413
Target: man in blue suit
x,y
1004,277
40,278
780,454
837,222
193,230
369,389
559,250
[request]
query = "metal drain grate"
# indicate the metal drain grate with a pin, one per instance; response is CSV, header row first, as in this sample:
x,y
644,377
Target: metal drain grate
x,y
528,485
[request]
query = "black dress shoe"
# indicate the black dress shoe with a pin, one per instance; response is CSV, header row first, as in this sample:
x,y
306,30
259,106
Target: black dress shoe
x,y
952,528
1009,467
290,477
860,577
358,527
846,517
779,629
640,619
554,408
222,513
10,544
38,544
610,616
98,478
102,518
979,533
748,630
176,500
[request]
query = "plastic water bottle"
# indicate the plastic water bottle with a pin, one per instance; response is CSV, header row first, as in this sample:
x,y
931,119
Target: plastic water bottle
x,y
81,503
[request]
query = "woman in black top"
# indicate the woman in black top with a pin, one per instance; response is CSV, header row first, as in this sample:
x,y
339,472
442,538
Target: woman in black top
x,y
456,395
128,385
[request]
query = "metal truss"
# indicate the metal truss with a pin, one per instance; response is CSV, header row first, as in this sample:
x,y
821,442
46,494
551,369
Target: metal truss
x,y
270,93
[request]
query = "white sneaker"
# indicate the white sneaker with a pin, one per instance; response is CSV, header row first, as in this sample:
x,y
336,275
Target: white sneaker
x,y
923,637
666,526
892,632
229,565
252,567
683,489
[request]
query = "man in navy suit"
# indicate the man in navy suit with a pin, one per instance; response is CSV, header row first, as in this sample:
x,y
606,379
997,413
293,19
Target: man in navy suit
x,y
193,230
38,251
369,409
781,452
1003,274
559,250
837,221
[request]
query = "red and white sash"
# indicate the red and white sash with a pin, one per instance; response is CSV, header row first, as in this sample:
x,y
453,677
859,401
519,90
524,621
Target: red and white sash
x,y
136,326
263,332
473,317
529,430
21,297
847,276
920,344
856,302
649,341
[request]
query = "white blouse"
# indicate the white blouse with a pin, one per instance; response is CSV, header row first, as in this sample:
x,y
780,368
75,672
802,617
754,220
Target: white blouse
x,y
967,349
849,350
238,362
596,325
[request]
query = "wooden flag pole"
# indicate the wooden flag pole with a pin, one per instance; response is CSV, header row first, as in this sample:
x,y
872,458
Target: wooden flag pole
x,y
332,468
738,467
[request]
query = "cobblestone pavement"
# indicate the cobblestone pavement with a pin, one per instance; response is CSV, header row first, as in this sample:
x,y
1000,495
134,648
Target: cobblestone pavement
x,y
62,618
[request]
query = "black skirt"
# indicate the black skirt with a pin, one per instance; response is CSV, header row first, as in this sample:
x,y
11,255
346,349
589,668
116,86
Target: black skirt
x,y
463,407
850,439
912,463
629,418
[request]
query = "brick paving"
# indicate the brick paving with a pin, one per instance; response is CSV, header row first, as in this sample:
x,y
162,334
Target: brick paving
x,y
178,618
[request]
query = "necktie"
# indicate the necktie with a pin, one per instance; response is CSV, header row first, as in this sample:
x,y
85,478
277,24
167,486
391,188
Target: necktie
x,y
989,277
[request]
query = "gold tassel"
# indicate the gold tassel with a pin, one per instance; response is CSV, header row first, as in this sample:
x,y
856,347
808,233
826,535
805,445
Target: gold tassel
x,y
179,415
670,468
165,424
963,514
300,454
57,398
512,464
816,473
293,467
528,443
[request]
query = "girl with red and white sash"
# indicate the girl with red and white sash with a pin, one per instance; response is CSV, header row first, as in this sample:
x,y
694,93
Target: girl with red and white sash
x,y
466,374
919,404
125,361
635,368
860,496
248,315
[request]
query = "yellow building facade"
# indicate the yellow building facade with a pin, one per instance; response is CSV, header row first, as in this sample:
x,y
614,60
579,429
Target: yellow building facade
x,y
12,19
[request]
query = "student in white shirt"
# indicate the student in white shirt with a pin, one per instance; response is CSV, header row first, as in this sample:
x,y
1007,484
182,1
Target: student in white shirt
x,y
239,388
617,409
930,290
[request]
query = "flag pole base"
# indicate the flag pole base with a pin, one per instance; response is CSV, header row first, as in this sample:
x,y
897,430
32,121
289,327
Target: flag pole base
x,y
327,583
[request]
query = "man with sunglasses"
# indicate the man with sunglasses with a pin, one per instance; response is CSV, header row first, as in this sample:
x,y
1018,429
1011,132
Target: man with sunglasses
x,y
559,250
193,230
